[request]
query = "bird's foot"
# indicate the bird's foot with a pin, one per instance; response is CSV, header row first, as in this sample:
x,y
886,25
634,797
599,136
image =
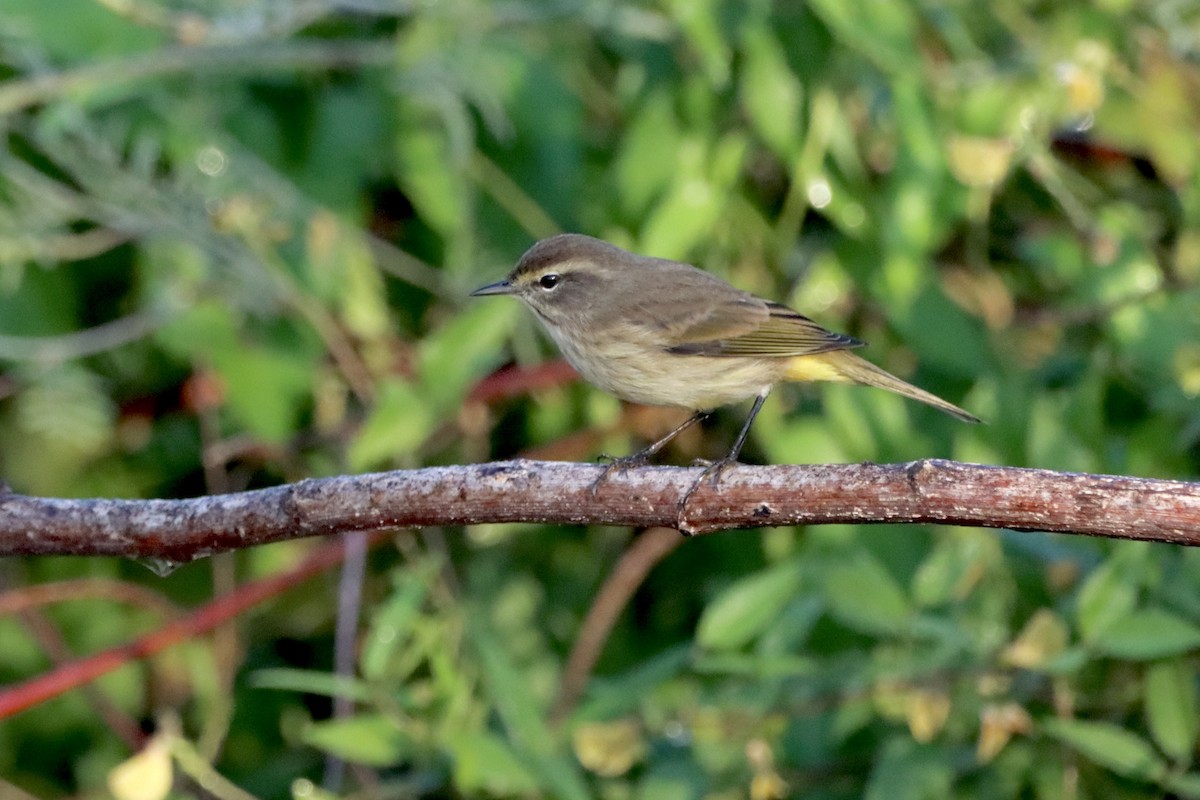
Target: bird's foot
x,y
618,464
713,472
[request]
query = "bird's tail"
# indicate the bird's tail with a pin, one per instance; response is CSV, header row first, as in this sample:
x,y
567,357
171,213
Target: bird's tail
x,y
842,366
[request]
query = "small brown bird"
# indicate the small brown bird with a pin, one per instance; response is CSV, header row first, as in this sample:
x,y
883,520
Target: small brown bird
x,y
664,333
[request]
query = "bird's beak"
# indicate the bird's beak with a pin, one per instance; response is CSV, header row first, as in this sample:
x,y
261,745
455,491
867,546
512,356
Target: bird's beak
x,y
499,287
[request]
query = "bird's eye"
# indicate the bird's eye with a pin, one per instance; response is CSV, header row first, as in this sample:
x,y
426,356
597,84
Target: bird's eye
x,y
549,280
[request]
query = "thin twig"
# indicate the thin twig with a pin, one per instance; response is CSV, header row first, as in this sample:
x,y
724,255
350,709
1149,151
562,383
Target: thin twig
x,y
252,58
80,344
16,248
90,590
349,612
511,197
54,644
929,491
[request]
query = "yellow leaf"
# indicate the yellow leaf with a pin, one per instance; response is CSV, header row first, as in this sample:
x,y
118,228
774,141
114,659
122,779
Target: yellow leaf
x,y
979,160
926,713
609,748
768,786
1043,638
997,724
145,776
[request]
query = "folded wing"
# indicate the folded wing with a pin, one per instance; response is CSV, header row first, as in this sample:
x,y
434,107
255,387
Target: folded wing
x,y
770,331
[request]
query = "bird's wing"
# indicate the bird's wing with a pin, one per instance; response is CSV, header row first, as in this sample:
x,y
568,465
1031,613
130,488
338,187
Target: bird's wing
x,y
707,316
778,332
786,333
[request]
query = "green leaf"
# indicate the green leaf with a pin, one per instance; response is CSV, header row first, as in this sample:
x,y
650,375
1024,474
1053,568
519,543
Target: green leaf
x,y
646,163
265,388
1148,634
701,21
429,165
525,719
393,622
671,780
400,420
201,328
370,739
1109,746
864,596
954,567
1187,786
311,682
1170,700
612,696
756,665
1109,593
771,93
348,137
793,625
956,345
96,31
744,609
687,213
924,155
362,296
464,349
882,32
1166,94
485,763
522,715
908,771
68,409
44,306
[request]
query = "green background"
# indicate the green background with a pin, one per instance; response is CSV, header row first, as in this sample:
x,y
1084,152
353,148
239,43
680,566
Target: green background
x,y
236,239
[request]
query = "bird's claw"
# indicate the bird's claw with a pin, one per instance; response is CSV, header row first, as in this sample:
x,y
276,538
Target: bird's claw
x,y
713,471
617,464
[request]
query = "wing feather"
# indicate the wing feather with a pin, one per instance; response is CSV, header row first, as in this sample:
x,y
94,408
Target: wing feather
x,y
707,316
783,333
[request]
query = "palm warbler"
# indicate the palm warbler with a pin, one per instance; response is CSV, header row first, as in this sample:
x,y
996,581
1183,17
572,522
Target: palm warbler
x,y
663,333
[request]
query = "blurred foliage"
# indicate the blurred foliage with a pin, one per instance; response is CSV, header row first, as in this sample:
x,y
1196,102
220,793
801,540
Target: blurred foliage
x,y
235,245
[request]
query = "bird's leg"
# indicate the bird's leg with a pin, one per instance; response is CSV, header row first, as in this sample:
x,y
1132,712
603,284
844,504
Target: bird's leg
x,y
641,457
715,469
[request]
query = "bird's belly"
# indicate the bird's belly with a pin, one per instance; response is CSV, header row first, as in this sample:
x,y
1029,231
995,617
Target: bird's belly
x,y
653,377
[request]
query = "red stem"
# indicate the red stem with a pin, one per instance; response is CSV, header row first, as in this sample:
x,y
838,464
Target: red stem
x,y
69,676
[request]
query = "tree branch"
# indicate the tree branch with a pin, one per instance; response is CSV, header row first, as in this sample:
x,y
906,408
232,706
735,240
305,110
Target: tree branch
x,y
931,491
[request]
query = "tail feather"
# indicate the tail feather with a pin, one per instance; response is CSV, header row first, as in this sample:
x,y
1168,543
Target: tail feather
x,y
844,366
